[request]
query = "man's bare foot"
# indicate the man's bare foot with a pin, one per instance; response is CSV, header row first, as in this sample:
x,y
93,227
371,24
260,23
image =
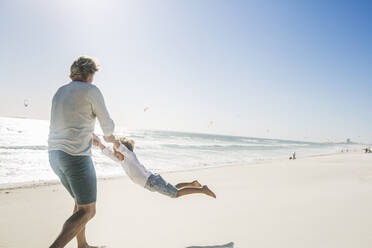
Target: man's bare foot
x,y
207,191
196,184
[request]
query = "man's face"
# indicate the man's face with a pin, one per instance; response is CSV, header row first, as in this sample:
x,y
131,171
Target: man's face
x,y
118,155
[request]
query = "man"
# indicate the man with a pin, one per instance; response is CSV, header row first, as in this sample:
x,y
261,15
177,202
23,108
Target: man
x,y
75,107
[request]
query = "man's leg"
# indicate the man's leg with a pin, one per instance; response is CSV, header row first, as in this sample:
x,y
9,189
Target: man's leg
x,y
75,224
80,237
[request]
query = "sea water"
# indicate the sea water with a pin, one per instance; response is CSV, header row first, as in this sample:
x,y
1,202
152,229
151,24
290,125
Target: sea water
x,y
24,150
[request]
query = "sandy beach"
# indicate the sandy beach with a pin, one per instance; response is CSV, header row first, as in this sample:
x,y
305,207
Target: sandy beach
x,y
264,103
322,201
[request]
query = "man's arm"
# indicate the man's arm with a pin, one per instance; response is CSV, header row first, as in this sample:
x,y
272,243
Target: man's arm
x,y
110,139
100,110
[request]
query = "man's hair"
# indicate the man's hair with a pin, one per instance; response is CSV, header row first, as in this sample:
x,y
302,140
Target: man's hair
x,y
83,66
129,143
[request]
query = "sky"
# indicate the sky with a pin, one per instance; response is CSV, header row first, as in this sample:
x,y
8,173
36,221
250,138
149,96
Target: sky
x,y
297,70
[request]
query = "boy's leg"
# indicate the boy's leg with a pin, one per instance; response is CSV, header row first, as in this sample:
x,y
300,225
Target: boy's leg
x,y
192,190
156,183
192,184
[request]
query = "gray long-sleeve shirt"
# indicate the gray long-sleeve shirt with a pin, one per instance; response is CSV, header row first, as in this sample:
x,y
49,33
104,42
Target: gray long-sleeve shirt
x,y
75,107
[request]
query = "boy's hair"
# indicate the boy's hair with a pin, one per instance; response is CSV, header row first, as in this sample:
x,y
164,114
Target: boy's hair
x,y
129,143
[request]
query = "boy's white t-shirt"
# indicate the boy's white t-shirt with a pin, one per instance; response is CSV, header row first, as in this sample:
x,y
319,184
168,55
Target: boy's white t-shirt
x,y
134,169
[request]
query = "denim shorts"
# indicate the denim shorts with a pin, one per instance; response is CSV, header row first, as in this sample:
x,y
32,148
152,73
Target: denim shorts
x,y
157,184
77,174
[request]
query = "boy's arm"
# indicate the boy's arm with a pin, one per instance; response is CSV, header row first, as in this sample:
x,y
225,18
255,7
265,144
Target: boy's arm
x,y
109,153
105,150
124,150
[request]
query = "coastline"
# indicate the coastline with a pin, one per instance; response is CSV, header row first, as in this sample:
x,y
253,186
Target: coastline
x,y
159,151
33,184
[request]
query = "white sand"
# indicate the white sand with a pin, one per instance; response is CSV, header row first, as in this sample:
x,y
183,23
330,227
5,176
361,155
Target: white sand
x,y
312,202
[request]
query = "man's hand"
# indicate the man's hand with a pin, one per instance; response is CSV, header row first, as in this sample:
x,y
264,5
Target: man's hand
x,y
116,144
96,140
110,139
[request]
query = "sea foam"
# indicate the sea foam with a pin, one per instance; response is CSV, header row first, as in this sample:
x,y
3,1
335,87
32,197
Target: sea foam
x,y
24,151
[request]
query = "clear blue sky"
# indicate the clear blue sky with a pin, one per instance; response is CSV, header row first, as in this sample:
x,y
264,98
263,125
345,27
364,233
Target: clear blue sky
x,y
278,69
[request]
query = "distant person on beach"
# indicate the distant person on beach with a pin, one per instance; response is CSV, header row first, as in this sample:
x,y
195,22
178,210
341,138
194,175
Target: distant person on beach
x,y
123,154
75,107
293,156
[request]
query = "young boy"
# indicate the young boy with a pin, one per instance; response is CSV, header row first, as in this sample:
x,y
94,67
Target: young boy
x,y
123,153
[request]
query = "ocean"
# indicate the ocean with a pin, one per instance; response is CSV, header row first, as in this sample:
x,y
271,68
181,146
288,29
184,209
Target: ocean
x,y
24,151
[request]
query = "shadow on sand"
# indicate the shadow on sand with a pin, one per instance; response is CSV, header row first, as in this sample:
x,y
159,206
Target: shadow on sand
x,y
228,245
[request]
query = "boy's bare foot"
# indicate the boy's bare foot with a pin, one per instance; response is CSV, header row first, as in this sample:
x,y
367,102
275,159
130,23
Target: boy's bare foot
x,y
196,184
207,191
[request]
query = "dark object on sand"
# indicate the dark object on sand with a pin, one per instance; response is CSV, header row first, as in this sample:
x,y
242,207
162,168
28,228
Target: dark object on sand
x,y
367,150
293,156
228,245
